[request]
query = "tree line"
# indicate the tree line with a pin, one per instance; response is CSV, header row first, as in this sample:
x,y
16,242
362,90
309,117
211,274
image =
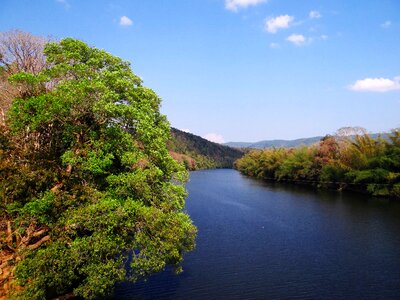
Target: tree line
x,y
360,163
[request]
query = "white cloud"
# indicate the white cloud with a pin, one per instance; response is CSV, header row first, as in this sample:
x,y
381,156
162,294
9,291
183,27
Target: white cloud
x,y
314,14
274,45
272,25
386,24
214,137
235,5
297,39
376,85
185,130
324,37
65,3
125,21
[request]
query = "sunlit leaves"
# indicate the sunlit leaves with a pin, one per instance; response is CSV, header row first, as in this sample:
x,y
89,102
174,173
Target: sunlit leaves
x,y
111,186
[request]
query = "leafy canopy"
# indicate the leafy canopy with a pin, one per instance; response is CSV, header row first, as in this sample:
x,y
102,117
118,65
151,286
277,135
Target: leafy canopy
x,y
85,172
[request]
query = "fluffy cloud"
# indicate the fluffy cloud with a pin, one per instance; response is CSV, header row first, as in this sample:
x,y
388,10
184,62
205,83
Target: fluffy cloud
x,y
314,14
386,24
272,25
125,21
234,5
297,39
185,130
376,85
214,137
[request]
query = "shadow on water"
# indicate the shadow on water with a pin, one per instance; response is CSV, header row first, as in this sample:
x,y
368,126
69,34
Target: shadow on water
x,y
260,240
159,286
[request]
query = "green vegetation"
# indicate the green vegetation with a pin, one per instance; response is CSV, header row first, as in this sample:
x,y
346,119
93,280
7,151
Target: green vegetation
x,y
86,179
198,153
361,163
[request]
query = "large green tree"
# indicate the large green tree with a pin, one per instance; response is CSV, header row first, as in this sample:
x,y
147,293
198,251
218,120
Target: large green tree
x,y
89,193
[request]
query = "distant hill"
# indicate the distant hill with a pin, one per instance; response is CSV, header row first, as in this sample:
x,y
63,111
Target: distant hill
x,y
199,153
276,143
284,143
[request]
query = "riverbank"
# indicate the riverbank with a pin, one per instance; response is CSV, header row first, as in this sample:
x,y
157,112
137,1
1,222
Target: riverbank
x,y
362,164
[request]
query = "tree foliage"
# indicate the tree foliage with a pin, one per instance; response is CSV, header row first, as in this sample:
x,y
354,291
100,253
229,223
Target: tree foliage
x,y
86,179
19,52
359,163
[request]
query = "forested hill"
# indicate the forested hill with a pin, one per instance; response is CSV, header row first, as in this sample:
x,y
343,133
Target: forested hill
x,y
276,143
199,153
285,143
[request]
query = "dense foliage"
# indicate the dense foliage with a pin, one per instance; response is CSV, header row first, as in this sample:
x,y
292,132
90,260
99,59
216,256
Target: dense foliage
x,y
199,153
89,193
361,163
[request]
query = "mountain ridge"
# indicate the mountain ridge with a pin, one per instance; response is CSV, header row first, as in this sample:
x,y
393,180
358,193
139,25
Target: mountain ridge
x,y
281,143
198,153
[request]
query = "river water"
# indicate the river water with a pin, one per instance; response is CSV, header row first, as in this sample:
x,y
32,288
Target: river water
x,y
262,240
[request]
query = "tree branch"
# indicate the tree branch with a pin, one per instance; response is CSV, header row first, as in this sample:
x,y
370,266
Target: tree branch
x,y
39,243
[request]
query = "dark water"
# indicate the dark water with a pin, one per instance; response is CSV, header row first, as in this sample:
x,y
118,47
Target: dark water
x,y
267,241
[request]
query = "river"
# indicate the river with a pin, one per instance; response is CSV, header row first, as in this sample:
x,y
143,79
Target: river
x,y
262,240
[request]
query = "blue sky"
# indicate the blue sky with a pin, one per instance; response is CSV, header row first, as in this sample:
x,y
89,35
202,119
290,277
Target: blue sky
x,y
244,70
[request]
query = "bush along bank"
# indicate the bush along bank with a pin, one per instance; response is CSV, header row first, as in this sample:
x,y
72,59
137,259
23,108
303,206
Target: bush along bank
x,y
362,164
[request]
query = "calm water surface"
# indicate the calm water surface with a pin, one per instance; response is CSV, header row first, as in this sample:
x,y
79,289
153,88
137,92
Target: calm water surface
x,y
260,240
